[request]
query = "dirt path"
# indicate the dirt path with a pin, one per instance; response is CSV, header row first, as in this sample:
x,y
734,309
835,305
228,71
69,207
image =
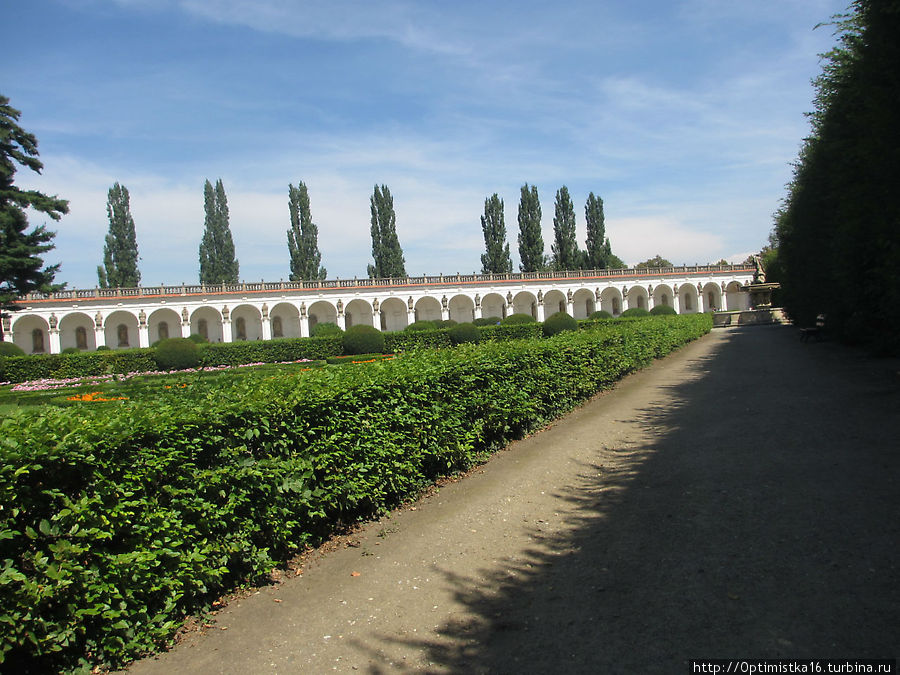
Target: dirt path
x,y
738,499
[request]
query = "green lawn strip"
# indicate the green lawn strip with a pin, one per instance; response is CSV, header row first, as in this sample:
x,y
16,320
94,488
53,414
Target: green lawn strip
x,y
118,520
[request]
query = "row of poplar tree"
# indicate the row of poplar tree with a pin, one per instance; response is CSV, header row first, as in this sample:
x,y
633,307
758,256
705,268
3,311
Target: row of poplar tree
x,y
218,263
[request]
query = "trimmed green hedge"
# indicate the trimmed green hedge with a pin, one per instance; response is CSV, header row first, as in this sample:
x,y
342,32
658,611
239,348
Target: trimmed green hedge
x,y
271,351
406,340
516,331
40,366
119,519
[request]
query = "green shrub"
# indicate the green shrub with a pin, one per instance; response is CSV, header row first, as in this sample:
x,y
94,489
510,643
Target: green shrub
x,y
635,311
198,339
663,310
325,329
557,323
104,348
270,351
514,319
464,332
487,321
600,314
422,325
177,354
363,339
406,340
71,350
517,331
445,323
121,520
10,349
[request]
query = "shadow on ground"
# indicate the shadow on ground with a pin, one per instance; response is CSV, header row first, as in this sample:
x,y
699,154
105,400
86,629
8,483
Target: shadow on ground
x,y
758,519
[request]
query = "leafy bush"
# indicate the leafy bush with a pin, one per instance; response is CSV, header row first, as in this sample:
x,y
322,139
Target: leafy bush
x,y
104,348
445,323
71,350
422,325
514,319
100,362
402,341
600,314
557,323
10,349
271,351
177,354
199,339
517,331
363,339
487,321
663,310
635,311
119,521
464,332
325,329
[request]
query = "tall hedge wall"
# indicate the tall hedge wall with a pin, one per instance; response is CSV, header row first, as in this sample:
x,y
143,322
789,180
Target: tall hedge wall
x,y
118,521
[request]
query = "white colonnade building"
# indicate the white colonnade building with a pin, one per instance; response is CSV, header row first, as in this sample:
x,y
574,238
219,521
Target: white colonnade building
x,y
122,318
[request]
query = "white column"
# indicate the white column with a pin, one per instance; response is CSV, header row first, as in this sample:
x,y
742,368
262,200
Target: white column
x,y
341,321
226,330
650,302
410,316
54,341
267,329
676,302
143,336
445,313
540,312
477,312
185,329
376,320
304,326
100,337
570,308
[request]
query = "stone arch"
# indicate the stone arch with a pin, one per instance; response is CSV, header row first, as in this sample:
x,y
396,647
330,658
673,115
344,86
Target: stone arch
x,y
163,323
525,302
25,330
554,301
663,295
246,323
493,304
120,330
358,312
462,308
428,309
77,330
321,311
638,297
285,320
583,301
207,322
688,301
393,314
735,297
611,300
712,297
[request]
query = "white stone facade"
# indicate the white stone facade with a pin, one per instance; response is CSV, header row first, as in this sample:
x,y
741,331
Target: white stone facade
x,y
138,317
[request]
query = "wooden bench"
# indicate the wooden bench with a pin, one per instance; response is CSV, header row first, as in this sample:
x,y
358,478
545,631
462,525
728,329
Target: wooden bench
x,y
817,331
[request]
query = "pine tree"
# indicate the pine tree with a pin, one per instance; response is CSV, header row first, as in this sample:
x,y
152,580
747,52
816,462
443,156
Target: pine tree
x,y
303,237
496,259
596,256
120,252
386,251
217,262
531,243
565,243
21,264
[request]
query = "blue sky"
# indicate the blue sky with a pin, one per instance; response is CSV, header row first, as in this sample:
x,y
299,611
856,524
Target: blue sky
x,y
683,116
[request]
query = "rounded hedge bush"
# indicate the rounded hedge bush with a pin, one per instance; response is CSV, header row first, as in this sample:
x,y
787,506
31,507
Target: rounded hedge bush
x,y
514,319
445,323
557,323
196,338
177,354
487,321
422,325
71,350
104,348
600,314
10,349
325,329
363,339
663,310
636,311
464,332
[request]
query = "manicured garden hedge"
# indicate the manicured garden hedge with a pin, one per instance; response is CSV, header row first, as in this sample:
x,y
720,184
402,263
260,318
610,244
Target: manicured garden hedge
x,y
117,520
39,366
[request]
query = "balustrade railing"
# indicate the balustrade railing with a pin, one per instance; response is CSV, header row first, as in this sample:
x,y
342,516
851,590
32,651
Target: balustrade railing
x,y
328,284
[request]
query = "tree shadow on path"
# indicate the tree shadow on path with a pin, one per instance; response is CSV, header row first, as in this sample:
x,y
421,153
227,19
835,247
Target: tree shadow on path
x,y
757,518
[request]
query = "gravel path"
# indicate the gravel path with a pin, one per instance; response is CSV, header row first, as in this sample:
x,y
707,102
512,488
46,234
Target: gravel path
x,y
737,499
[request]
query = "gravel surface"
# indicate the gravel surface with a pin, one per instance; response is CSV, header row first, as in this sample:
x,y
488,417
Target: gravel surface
x,y
737,499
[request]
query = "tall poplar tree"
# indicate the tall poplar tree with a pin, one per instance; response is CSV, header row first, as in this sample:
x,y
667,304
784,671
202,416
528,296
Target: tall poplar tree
x,y
303,237
120,252
598,248
496,259
386,249
21,263
566,255
217,262
531,242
